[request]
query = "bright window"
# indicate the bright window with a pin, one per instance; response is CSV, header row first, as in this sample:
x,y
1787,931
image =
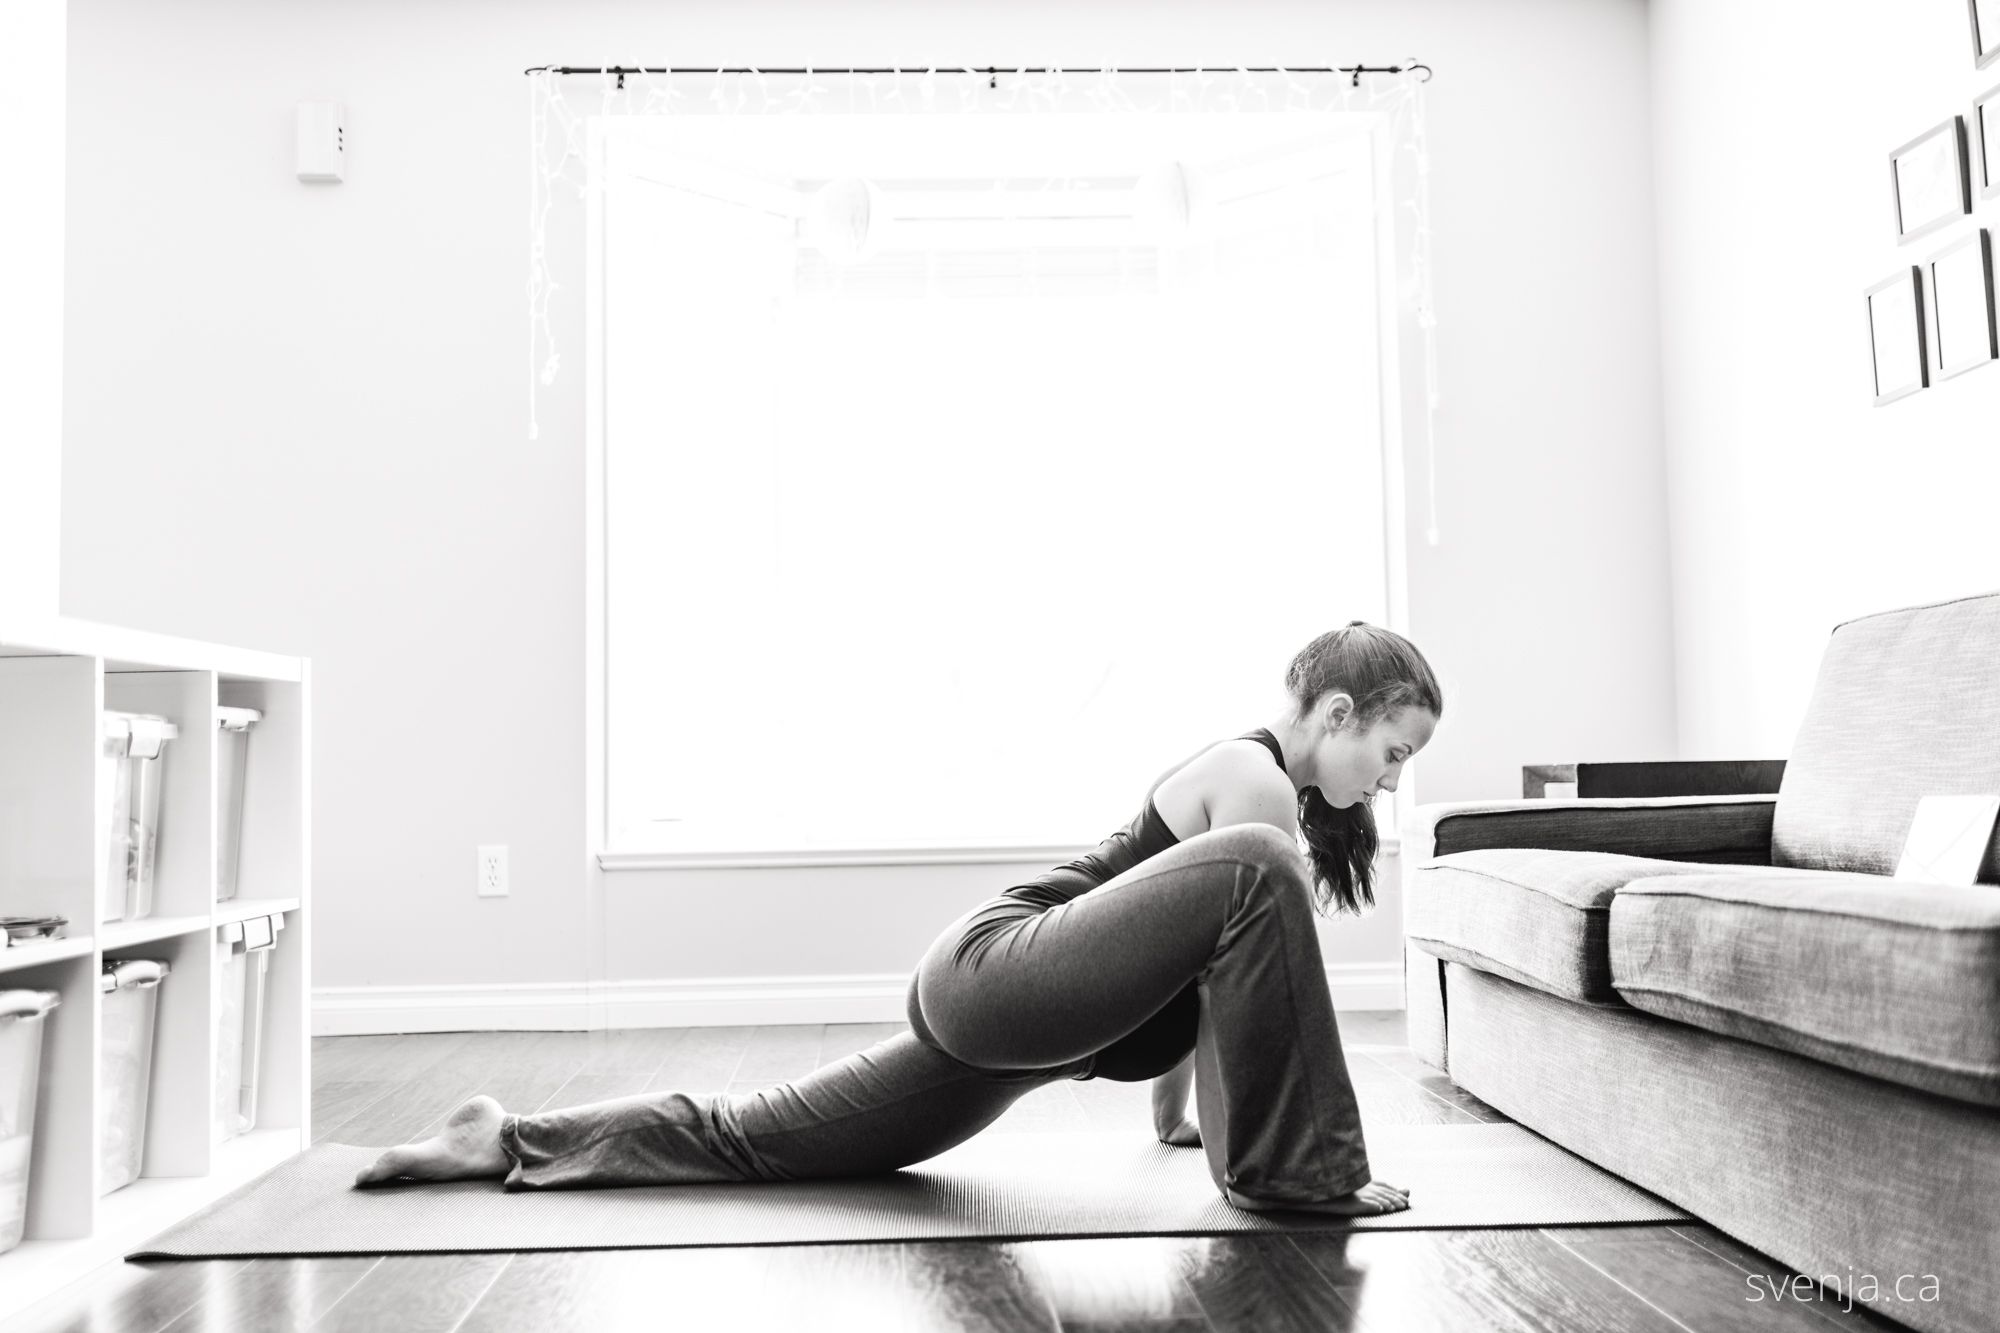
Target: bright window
x,y
961,540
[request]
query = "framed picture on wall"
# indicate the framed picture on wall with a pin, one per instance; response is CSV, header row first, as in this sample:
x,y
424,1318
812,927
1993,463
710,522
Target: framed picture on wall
x,y
1900,360
1984,135
1928,180
1985,31
1960,278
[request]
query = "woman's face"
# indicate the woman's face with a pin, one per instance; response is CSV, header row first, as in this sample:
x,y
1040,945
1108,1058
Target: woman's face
x,y
1353,765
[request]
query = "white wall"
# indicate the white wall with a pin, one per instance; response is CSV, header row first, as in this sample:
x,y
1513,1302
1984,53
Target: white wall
x,y
296,421
33,34
1795,502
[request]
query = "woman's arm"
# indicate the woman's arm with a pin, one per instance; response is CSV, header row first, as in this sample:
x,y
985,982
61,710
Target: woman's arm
x,y
1170,1101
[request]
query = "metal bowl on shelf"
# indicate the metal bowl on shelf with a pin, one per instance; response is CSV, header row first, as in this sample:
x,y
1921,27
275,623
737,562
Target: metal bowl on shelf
x,y
28,929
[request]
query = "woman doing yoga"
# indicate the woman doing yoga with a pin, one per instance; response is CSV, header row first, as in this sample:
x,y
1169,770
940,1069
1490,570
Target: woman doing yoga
x,y
1181,950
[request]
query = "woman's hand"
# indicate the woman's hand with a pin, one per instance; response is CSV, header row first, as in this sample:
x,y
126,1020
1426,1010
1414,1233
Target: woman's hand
x,y
1186,1134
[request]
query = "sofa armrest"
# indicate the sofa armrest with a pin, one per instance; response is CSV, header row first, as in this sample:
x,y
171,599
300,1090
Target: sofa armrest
x,y
1731,830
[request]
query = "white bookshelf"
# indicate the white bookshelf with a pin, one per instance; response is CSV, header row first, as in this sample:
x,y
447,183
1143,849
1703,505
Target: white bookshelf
x,y
57,676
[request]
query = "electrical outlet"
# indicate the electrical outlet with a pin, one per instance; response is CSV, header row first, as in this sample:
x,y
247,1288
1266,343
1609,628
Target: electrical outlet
x,y
493,870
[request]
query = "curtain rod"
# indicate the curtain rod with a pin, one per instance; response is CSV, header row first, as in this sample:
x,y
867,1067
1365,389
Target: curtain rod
x,y
992,72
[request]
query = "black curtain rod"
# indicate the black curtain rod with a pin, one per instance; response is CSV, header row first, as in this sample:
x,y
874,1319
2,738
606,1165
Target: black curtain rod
x,y
993,72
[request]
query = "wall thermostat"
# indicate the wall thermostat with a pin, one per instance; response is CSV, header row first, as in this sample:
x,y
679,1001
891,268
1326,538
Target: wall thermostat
x,y
322,141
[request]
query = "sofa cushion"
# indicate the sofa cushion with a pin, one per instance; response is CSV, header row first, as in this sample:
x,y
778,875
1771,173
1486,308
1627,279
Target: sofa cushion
x,y
1906,705
1894,978
1531,915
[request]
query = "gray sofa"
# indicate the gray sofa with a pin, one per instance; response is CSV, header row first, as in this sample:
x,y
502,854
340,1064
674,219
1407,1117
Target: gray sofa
x,y
1732,1002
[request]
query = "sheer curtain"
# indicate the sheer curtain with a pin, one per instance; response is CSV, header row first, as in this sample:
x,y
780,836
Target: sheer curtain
x,y
973,453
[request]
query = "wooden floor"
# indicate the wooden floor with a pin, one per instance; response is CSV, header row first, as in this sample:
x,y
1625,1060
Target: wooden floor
x,y
385,1090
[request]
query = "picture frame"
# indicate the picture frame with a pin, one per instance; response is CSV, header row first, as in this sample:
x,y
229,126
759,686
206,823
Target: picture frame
x,y
1983,135
1928,182
1898,356
1962,332
1985,31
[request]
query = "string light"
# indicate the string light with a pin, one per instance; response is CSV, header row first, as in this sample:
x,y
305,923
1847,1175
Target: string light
x,y
557,156
1416,139
1297,95
537,113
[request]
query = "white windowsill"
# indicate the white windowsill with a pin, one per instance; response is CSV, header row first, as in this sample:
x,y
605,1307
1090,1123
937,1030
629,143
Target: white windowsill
x,y
865,856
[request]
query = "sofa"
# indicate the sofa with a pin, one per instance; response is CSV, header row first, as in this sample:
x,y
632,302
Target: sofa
x,y
1733,1002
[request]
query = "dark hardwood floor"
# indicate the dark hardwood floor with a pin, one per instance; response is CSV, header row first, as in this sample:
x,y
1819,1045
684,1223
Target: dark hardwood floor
x,y
384,1090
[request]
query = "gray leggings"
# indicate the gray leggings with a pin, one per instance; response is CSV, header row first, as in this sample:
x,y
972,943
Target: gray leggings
x,y
1229,911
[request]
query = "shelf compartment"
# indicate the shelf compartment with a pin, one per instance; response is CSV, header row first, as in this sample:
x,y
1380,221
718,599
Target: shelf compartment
x,y
147,929
48,787
273,862
184,867
180,1075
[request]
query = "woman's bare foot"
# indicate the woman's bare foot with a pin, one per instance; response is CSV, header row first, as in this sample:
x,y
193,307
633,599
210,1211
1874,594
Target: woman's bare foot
x,y
468,1149
1371,1199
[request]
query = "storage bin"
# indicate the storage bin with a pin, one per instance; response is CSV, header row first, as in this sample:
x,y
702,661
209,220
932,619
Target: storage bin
x,y
21,1015
232,755
243,952
125,1061
133,746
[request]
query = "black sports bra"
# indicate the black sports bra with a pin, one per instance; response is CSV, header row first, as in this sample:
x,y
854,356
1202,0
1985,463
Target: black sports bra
x,y
1146,836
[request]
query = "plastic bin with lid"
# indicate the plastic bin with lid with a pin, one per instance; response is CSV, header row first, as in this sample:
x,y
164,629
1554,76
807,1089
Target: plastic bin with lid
x,y
232,759
131,990
21,1027
243,952
134,744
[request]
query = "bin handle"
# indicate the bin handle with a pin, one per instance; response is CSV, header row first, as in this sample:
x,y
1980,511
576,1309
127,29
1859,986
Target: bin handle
x,y
149,734
237,719
26,1003
131,973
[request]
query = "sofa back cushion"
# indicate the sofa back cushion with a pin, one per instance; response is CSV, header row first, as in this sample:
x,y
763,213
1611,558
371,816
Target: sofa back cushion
x,y
1907,705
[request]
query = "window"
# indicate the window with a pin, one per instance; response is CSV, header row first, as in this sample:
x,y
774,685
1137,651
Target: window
x,y
959,538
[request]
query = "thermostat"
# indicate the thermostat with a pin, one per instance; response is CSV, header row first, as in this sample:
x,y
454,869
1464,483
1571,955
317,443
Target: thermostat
x,y
322,141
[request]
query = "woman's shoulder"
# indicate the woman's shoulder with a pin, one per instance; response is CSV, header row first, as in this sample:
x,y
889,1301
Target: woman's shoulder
x,y
1186,793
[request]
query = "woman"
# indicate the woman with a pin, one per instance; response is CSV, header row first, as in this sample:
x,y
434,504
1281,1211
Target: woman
x,y
1181,950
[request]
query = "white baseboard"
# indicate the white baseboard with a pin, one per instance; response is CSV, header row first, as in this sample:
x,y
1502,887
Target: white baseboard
x,y
345,1011
1366,985
340,1011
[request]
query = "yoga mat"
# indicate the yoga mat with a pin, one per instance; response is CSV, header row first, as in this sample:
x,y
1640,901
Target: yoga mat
x,y
992,1187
